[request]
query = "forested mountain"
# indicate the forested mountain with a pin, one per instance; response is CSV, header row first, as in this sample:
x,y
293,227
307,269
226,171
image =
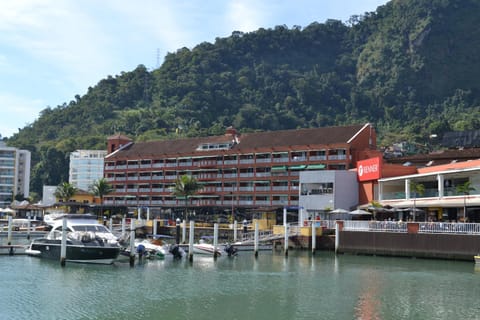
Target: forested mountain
x,y
409,68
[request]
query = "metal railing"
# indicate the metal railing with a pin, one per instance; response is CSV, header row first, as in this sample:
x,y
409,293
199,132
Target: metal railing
x,y
268,235
424,227
375,226
449,227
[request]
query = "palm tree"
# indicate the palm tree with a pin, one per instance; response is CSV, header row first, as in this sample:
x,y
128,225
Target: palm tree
x,y
417,189
186,186
465,189
101,188
65,191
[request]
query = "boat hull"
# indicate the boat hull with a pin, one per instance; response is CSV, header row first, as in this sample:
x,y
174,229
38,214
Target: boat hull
x,y
206,249
50,249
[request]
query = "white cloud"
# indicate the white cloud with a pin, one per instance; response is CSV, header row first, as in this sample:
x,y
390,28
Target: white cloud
x,y
245,16
17,112
61,35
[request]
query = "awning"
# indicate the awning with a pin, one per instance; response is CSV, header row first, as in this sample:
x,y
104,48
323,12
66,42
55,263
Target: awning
x,y
433,202
299,167
279,168
316,166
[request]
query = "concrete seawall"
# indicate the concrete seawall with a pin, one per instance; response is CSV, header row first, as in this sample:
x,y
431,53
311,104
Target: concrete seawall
x,y
442,246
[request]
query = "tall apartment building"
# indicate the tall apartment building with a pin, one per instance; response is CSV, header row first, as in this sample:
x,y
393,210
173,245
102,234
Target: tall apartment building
x,y
252,171
14,173
86,167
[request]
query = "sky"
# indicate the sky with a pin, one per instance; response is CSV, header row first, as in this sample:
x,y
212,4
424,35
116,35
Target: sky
x,y
52,50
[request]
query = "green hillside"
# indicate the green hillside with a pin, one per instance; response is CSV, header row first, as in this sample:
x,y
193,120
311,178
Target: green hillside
x,y
409,68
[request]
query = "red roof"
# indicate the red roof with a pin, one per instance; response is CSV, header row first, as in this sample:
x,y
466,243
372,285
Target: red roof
x,y
451,166
282,139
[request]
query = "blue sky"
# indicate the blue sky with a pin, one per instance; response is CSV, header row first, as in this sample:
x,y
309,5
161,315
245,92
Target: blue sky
x,y
52,50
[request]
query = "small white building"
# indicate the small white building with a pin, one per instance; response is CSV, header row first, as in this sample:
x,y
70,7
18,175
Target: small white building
x,y
48,196
324,190
86,167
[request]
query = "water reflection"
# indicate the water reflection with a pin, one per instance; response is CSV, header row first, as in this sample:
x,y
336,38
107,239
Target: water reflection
x,y
368,304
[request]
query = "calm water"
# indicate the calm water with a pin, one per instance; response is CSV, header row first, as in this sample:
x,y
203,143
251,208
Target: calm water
x,y
269,287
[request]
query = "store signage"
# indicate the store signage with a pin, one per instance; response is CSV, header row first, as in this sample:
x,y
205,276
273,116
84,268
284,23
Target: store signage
x,y
368,169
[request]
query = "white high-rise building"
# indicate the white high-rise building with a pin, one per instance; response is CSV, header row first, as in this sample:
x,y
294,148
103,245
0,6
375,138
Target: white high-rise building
x,y
14,173
86,167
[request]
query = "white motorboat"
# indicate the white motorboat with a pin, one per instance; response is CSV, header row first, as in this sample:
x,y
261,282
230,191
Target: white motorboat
x,y
152,248
206,248
51,218
88,241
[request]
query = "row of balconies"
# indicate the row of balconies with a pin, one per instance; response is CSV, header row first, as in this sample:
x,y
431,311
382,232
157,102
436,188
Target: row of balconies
x,y
218,189
206,176
217,163
198,202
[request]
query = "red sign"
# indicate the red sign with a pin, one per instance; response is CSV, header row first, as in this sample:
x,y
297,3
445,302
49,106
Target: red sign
x,y
369,169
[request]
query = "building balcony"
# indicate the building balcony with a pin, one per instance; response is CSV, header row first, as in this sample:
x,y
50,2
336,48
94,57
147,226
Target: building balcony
x,y
246,175
316,158
337,157
263,174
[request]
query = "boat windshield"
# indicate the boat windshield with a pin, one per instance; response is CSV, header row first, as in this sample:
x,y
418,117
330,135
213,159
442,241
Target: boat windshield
x,y
92,228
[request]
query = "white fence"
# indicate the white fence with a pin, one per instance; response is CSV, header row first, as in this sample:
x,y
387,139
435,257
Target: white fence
x,y
424,227
450,227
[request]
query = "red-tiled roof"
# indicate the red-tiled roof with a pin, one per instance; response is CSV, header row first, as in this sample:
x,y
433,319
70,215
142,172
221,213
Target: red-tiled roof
x,y
247,141
451,166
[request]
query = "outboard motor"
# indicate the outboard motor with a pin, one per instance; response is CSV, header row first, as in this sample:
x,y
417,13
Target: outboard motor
x,y
176,251
141,250
231,250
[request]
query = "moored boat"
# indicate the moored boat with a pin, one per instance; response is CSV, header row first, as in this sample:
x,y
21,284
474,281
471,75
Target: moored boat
x,y
206,248
88,241
477,259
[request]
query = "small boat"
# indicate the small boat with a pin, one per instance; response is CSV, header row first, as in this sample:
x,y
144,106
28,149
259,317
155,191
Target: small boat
x,y
206,248
151,249
144,249
88,241
477,259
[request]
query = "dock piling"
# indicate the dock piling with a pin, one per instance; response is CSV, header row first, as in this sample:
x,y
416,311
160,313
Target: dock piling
x,y
63,246
184,231
123,227
215,240
235,231
314,237
190,241
177,229
132,243
286,239
255,249
9,232
28,228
